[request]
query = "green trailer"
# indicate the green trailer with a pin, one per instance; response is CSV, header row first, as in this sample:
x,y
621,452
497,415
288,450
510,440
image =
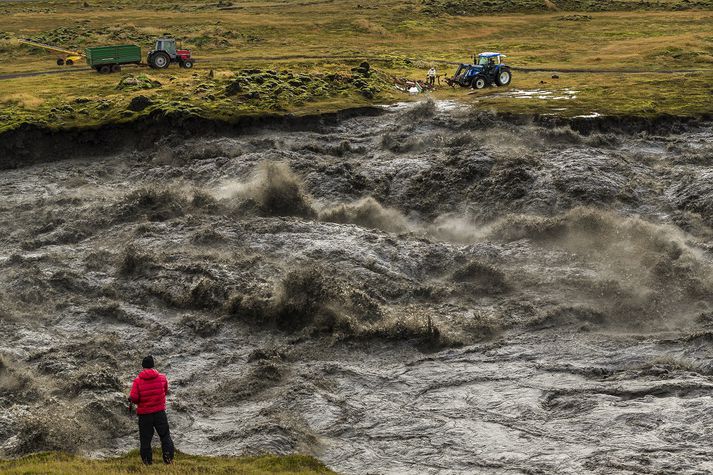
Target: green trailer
x,y
108,59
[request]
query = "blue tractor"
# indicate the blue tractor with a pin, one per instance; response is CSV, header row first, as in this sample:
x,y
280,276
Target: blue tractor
x,y
488,69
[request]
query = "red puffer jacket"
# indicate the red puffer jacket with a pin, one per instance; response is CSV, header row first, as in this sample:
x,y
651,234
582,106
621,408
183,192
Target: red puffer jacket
x,y
149,392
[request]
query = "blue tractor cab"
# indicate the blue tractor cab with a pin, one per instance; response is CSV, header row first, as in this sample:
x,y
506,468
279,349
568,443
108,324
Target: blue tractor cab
x,y
487,69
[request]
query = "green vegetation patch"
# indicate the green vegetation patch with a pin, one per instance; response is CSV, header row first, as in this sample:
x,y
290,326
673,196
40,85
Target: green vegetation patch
x,y
86,34
678,55
277,89
223,95
82,35
135,83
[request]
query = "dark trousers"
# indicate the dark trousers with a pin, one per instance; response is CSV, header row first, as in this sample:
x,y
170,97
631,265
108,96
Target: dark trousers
x,y
147,424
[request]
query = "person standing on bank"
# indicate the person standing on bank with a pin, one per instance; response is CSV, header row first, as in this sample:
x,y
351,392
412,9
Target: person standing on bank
x,y
431,77
148,392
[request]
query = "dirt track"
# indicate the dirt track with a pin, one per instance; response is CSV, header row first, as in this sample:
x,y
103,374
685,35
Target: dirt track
x,y
234,61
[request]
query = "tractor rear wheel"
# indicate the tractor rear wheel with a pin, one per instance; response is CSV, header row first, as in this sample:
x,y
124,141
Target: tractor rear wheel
x,y
60,62
159,60
69,62
104,69
116,68
504,77
479,82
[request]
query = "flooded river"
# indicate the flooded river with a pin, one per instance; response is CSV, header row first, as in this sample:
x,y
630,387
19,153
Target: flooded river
x,y
429,290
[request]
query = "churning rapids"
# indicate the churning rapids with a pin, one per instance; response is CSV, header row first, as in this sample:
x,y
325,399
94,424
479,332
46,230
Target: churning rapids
x,y
431,290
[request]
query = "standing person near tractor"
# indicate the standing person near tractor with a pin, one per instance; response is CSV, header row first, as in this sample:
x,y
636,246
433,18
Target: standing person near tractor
x,y
431,77
148,392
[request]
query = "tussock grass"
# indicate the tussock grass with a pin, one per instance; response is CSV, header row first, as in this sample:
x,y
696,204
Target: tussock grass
x,y
23,99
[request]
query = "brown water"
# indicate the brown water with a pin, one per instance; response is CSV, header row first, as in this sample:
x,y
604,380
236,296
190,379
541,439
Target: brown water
x,y
428,291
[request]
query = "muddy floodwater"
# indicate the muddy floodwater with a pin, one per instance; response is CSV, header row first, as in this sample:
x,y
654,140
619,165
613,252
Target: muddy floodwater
x,y
428,290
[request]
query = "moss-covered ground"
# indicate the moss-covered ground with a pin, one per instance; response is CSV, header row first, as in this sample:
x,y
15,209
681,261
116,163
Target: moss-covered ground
x,y
61,464
294,56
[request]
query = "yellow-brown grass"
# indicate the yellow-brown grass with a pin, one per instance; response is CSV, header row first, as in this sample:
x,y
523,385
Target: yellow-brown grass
x,y
22,99
56,464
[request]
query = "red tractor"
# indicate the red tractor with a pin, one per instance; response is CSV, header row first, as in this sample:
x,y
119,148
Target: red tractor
x,y
165,53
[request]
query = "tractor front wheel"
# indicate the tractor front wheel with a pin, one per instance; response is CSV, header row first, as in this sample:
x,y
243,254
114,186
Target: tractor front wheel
x,y
479,82
159,60
104,69
188,64
504,77
69,62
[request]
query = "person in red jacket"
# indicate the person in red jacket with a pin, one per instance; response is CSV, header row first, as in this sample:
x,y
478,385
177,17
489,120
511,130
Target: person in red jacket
x,y
148,392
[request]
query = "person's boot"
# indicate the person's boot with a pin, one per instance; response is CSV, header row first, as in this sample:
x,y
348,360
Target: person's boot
x,y
146,456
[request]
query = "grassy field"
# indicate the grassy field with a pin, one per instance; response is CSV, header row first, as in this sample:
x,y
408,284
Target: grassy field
x,y
320,41
61,464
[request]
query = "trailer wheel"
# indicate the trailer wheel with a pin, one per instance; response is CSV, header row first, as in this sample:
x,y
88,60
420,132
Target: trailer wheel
x,y
504,77
159,60
104,69
479,82
60,62
69,62
116,68
188,64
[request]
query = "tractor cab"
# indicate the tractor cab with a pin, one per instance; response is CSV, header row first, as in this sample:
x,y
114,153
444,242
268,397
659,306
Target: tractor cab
x,y
487,69
166,44
166,52
490,59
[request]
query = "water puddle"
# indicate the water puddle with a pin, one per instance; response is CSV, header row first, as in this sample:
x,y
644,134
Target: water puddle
x,y
564,94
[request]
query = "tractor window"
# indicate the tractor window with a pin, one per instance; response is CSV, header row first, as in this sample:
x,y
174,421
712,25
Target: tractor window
x,y
167,46
484,60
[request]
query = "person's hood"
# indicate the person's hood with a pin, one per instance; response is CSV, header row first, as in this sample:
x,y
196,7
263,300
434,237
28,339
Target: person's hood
x,y
148,374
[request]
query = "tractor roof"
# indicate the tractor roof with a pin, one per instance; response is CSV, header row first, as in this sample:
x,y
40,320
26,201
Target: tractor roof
x,y
489,54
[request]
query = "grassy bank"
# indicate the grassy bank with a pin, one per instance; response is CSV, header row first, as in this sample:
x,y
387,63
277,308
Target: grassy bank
x,y
56,464
312,48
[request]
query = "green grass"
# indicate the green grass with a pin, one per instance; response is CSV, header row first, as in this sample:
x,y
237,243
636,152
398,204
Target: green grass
x,y
60,464
226,95
325,39
641,95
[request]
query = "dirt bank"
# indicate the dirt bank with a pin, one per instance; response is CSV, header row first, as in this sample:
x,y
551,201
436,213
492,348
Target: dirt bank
x,y
30,144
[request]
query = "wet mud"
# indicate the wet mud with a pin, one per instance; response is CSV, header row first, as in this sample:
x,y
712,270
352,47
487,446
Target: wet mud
x,y
426,290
